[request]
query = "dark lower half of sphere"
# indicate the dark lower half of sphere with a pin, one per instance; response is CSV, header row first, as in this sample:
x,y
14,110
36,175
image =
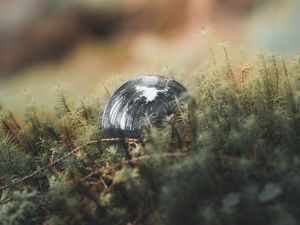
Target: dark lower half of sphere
x,y
119,133
139,123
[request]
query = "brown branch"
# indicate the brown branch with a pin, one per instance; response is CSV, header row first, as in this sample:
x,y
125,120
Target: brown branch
x,y
67,155
134,160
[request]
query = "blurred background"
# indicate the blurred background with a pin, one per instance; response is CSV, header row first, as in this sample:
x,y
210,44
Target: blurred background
x,y
87,45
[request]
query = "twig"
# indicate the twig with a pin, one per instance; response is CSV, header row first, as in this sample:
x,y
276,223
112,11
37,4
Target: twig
x,y
134,160
67,155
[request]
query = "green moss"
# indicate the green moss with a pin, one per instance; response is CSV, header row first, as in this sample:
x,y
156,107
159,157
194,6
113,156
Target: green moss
x,y
231,157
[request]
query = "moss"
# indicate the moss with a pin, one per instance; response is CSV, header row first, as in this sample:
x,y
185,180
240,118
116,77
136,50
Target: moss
x,y
230,157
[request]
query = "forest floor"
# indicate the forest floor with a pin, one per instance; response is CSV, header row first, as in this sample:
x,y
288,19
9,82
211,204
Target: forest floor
x,y
231,157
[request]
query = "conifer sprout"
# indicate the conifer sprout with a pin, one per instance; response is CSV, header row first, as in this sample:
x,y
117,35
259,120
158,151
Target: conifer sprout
x,y
145,100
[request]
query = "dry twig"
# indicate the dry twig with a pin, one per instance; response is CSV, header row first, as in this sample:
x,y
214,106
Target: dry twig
x,y
67,155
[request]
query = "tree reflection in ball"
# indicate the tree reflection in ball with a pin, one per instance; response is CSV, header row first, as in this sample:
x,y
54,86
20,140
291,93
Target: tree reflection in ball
x,y
149,98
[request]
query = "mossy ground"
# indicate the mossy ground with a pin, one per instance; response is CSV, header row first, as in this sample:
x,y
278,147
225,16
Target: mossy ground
x,y
232,157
